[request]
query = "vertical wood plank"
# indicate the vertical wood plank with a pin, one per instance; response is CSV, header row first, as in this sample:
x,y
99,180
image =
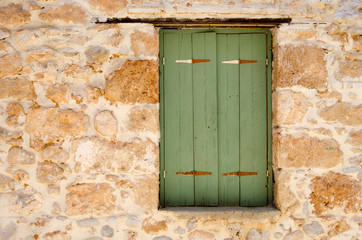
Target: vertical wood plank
x,y
178,107
253,120
205,118
228,118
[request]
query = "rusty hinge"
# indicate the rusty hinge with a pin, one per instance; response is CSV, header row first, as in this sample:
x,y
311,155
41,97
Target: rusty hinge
x,y
193,61
239,174
193,173
239,61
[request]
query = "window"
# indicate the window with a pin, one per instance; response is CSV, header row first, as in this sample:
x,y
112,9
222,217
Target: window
x,y
215,116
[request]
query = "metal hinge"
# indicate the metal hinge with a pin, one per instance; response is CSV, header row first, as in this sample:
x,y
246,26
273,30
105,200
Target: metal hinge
x,y
267,62
163,61
164,173
267,173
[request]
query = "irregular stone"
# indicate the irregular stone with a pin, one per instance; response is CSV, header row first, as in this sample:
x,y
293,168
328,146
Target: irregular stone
x,y
94,238
56,208
46,77
78,98
15,138
289,107
40,55
4,33
74,73
334,189
107,231
144,44
87,222
306,151
151,226
135,82
9,231
20,175
66,13
39,223
337,228
350,70
58,93
199,234
56,235
313,229
18,156
344,113
5,47
296,235
106,123
180,230
115,39
132,221
6,184
144,119
14,14
93,93
55,123
55,154
53,189
10,64
96,54
49,172
254,234
300,65
14,111
147,189
109,6
26,201
90,198
355,138
162,238
278,235
19,88
285,199
330,95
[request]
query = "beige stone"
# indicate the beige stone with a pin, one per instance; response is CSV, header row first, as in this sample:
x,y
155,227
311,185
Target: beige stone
x,y
152,226
36,143
289,107
337,228
330,95
15,138
55,123
343,112
90,198
144,44
143,119
115,39
306,151
109,6
5,48
77,97
19,88
40,55
199,234
6,183
46,77
93,93
135,82
55,154
74,73
49,172
350,68
355,138
14,14
68,13
18,156
335,190
300,65
26,201
10,64
4,33
296,235
96,54
20,175
57,235
284,199
106,123
14,111
58,93
56,208
146,189
53,189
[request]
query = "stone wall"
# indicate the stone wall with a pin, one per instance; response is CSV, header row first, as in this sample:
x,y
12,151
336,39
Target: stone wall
x,y
79,125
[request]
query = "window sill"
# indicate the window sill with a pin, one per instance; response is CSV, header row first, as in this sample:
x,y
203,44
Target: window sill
x,y
268,213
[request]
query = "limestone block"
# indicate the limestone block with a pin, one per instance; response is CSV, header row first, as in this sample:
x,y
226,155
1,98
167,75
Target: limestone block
x,y
343,112
334,189
19,88
306,151
49,172
40,55
58,93
74,73
88,222
4,33
284,199
254,234
18,156
135,82
350,70
90,198
338,227
109,6
199,234
68,13
14,14
15,138
57,235
107,231
14,111
144,44
26,201
55,154
289,107
146,189
10,64
96,54
93,93
5,47
300,65
355,138
106,123
46,77
144,119
152,226
20,175
7,184
296,235
313,229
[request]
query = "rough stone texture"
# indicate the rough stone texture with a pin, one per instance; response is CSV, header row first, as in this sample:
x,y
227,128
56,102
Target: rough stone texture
x,y
14,110
144,119
334,189
107,231
93,93
49,172
289,107
18,156
144,44
109,6
90,198
135,82
88,222
254,234
284,198
106,123
151,226
10,64
5,47
306,151
55,154
300,65
6,183
4,33
355,138
96,54
313,229
20,175
26,201
58,93
14,14
147,189
68,13
296,235
338,227
55,123
19,88
350,68
344,113
74,73
199,234
57,235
